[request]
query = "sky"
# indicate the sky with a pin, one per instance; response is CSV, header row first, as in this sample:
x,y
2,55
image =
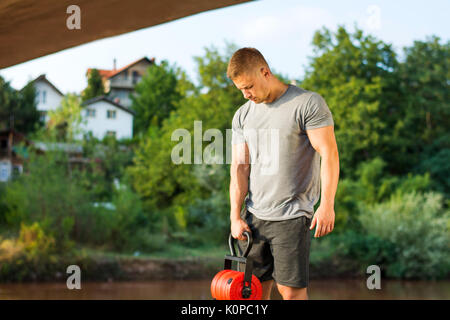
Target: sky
x,y
281,29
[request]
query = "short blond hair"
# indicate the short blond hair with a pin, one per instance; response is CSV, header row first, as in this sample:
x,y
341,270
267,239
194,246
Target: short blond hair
x,y
245,61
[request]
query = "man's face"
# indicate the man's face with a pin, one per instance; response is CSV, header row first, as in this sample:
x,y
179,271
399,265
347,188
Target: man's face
x,y
254,86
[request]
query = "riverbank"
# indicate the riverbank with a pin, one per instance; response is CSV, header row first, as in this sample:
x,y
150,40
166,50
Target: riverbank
x,y
97,265
176,263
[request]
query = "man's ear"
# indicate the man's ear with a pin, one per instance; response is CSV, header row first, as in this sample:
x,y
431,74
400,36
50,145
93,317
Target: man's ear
x,y
265,72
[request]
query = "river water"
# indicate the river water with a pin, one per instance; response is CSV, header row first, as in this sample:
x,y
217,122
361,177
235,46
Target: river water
x,y
200,290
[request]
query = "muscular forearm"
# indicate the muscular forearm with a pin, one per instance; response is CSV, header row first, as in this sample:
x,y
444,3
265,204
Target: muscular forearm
x,y
238,188
329,175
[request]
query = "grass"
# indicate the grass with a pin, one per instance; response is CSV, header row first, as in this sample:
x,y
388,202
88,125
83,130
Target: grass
x,y
172,252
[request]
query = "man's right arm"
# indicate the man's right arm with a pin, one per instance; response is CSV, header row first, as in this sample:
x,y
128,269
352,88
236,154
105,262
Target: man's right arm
x,y
239,171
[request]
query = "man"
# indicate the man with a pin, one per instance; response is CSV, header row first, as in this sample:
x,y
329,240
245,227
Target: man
x,y
279,208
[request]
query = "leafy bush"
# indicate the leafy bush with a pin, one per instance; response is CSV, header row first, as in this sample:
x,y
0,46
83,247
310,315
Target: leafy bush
x,y
28,254
407,236
209,219
3,207
34,240
65,201
32,256
145,241
348,253
373,185
417,227
126,220
46,193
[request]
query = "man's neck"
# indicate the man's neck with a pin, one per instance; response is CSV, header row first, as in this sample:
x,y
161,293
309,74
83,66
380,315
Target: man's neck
x,y
278,91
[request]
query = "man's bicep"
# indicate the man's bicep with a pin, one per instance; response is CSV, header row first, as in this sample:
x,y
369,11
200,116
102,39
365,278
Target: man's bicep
x,y
322,139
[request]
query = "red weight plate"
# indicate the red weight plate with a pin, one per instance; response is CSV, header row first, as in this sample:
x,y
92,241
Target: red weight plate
x,y
224,286
214,283
234,289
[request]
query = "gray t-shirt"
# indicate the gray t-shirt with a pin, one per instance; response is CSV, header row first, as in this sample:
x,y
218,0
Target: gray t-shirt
x,y
284,180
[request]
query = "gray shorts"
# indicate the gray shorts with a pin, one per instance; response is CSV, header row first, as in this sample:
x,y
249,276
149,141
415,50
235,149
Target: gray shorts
x,y
280,249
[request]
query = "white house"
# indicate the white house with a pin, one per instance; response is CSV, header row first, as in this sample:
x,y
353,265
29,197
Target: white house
x,y
103,116
100,115
48,97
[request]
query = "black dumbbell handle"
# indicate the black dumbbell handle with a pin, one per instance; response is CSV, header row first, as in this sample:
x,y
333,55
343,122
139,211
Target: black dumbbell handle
x,y
231,241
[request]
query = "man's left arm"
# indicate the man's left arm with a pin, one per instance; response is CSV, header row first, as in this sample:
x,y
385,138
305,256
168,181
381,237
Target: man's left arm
x,y
324,142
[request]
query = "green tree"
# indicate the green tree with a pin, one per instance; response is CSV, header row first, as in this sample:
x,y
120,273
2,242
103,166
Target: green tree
x,y
424,86
425,76
66,120
19,107
156,96
94,87
355,74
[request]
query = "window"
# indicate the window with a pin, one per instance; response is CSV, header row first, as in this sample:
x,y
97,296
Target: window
x,y
136,77
42,115
44,96
111,133
90,113
111,114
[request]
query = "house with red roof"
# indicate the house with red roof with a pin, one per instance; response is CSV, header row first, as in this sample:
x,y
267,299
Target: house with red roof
x,y
109,114
119,83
